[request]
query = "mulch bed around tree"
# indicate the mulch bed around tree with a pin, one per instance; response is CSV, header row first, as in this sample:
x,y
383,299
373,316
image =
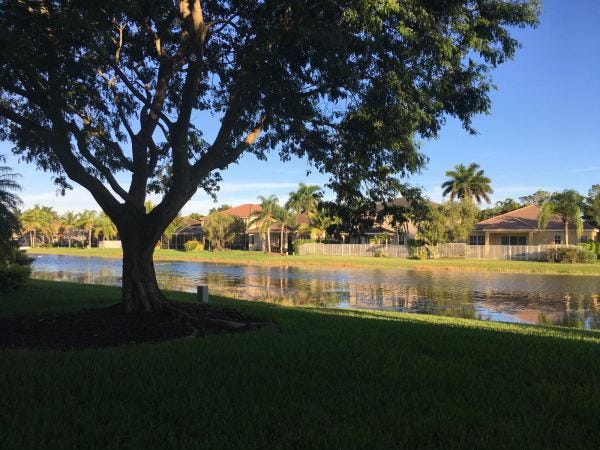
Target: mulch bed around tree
x,y
111,327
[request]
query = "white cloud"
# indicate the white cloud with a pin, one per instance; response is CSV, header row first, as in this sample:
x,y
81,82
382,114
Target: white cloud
x,y
77,199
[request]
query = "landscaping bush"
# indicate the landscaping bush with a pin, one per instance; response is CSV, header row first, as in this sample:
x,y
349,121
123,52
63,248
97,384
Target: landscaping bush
x,y
193,246
592,246
416,249
15,268
379,253
298,242
569,255
13,277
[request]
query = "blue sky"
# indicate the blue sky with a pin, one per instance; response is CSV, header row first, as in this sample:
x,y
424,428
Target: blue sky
x,y
543,131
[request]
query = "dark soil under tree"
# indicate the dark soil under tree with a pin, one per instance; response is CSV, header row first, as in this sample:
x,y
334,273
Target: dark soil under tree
x,y
110,327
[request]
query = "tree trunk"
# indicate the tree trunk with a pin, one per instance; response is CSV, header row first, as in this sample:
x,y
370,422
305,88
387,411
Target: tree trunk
x,y
281,240
268,239
90,238
140,288
566,232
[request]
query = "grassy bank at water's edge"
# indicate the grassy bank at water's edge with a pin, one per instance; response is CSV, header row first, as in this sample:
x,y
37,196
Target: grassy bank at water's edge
x,y
260,258
319,378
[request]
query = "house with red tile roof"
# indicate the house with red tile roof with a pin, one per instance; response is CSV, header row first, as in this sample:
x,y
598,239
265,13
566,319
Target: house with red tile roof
x,y
253,238
520,227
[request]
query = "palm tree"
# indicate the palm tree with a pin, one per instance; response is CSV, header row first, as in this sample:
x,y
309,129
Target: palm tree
x,y
38,219
305,200
319,223
264,217
467,183
283,218
87,222
68,224
9,204
566,205
104,225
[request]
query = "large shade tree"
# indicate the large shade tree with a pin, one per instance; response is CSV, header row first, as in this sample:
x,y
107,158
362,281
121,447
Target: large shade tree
x,y
102,93
467,182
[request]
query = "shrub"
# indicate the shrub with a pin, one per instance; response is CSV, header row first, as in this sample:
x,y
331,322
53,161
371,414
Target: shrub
x,y
13,277
591,246
416,249
298,242
378,253
569,255
193,246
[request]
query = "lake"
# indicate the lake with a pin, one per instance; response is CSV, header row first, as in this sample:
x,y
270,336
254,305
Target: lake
x,y
566,300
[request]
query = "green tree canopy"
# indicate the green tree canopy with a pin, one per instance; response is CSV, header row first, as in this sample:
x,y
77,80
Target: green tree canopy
x,y
104,225
468,183
38,221
565,204
448,222
102,93
537,198
221,228
591,206
305,199
500,207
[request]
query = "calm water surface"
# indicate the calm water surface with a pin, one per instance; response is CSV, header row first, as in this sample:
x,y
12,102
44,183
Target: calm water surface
x,y
539,299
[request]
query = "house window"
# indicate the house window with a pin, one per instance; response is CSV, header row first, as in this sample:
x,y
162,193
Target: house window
x,y
513,240
584,238
476,240
557,239
251,240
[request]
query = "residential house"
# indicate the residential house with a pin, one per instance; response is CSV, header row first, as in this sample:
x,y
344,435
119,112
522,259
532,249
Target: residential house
x,y
253,239
397,234
520,227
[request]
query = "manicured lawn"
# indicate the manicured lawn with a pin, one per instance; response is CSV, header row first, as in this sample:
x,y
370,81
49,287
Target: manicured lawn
x,y
260,258
318,379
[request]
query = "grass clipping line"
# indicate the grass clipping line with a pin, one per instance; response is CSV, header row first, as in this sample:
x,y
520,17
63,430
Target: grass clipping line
x,y
112,327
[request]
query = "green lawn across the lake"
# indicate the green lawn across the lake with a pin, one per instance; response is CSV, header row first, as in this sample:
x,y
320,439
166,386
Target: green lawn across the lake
x,y
260,258
320,378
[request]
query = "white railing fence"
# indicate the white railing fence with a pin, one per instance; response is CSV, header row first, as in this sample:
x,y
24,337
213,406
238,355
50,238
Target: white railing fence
x,y
510,252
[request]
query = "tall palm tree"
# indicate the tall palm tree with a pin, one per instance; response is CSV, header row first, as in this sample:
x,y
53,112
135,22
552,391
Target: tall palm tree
x,y
9,204
105,225
87,222
467,183
68,224
283,218
566,205
305,200
265,217
38,220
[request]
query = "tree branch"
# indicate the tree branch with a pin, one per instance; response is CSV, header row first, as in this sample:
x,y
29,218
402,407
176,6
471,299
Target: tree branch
x,y
138,94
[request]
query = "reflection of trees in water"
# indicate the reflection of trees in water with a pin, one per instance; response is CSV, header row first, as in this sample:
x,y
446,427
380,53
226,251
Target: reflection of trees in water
x,y
423,293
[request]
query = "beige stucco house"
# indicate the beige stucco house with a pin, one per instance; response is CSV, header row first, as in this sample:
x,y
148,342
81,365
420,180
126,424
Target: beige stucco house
x,y
520,227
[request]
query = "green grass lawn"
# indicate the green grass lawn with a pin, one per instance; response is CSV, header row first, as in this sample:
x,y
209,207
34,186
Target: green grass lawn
x,y
260,258
319,379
